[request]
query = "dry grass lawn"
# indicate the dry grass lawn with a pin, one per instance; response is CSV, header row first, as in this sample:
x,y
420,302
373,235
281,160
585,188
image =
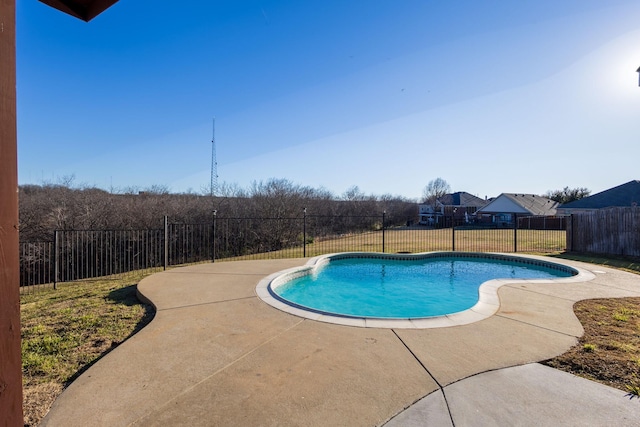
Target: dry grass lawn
x,y
421,239
65,331
609,350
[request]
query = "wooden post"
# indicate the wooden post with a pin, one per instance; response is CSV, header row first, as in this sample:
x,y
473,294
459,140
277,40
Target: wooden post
x,y
569,233
10,359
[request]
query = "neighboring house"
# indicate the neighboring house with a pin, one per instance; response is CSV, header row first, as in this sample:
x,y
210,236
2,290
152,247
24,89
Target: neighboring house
x,y
458,207
623,195
501,210
427,214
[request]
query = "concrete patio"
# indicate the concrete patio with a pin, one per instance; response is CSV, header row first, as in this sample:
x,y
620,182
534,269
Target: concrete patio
x,y
216,354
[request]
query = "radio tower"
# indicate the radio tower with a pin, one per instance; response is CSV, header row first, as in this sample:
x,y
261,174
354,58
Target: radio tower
x,y
214,162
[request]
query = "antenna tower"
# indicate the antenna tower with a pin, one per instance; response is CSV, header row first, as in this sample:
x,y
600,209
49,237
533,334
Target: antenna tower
x,y
214,162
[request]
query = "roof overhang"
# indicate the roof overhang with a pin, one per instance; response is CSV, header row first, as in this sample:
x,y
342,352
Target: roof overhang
x,y
83,9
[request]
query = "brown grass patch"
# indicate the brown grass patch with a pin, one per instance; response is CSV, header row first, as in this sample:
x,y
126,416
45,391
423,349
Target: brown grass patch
x,y
65,331
37,399
609,350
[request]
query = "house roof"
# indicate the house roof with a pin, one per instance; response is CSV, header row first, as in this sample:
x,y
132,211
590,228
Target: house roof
x,y
627,194
529,204
461,198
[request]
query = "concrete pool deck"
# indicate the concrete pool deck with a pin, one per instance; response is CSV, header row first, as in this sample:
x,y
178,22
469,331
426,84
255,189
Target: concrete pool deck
x,y
216,354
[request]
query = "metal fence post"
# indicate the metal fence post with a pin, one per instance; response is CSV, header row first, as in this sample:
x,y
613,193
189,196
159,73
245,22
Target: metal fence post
x,y
166,242
515,232
213,238
453,235
55,260
304,233
383,215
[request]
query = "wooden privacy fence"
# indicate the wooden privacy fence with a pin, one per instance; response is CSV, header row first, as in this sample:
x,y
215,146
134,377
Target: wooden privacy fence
x,y
611,231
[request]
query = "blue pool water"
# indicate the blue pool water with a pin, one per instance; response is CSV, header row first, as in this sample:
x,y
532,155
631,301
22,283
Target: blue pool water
x,y
388,288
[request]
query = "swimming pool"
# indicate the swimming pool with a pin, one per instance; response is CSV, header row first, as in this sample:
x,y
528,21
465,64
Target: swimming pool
x,y
350,288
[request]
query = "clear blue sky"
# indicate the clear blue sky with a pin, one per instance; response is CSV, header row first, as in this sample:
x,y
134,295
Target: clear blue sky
x,y
493,96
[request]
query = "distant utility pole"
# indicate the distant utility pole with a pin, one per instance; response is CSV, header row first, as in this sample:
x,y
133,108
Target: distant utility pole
x,y
214,162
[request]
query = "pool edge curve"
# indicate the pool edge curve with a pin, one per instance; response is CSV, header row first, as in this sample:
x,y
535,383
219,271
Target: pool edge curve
x,y
488,300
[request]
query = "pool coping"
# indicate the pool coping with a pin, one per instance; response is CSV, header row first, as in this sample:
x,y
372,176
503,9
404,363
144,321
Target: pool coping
x,y
488,300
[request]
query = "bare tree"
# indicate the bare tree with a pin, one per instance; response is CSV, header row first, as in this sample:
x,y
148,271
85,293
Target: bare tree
x,y
435,189
354,194
45,208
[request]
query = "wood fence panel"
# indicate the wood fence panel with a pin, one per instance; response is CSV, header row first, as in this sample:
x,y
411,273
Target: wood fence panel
x,y
612,231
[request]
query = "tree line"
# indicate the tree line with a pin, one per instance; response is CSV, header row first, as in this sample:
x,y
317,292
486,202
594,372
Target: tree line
x,y
48,207
63,206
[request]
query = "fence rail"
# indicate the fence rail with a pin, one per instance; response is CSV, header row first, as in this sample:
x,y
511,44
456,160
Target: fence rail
x,y
84,254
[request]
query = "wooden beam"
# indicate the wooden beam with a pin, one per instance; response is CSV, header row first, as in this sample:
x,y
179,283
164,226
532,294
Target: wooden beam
x,y
10,359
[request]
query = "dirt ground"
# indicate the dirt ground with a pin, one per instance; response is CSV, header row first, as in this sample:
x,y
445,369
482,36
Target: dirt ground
x,y
609,350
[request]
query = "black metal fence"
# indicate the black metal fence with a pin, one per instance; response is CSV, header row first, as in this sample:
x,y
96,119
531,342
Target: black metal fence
x,y
83,254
